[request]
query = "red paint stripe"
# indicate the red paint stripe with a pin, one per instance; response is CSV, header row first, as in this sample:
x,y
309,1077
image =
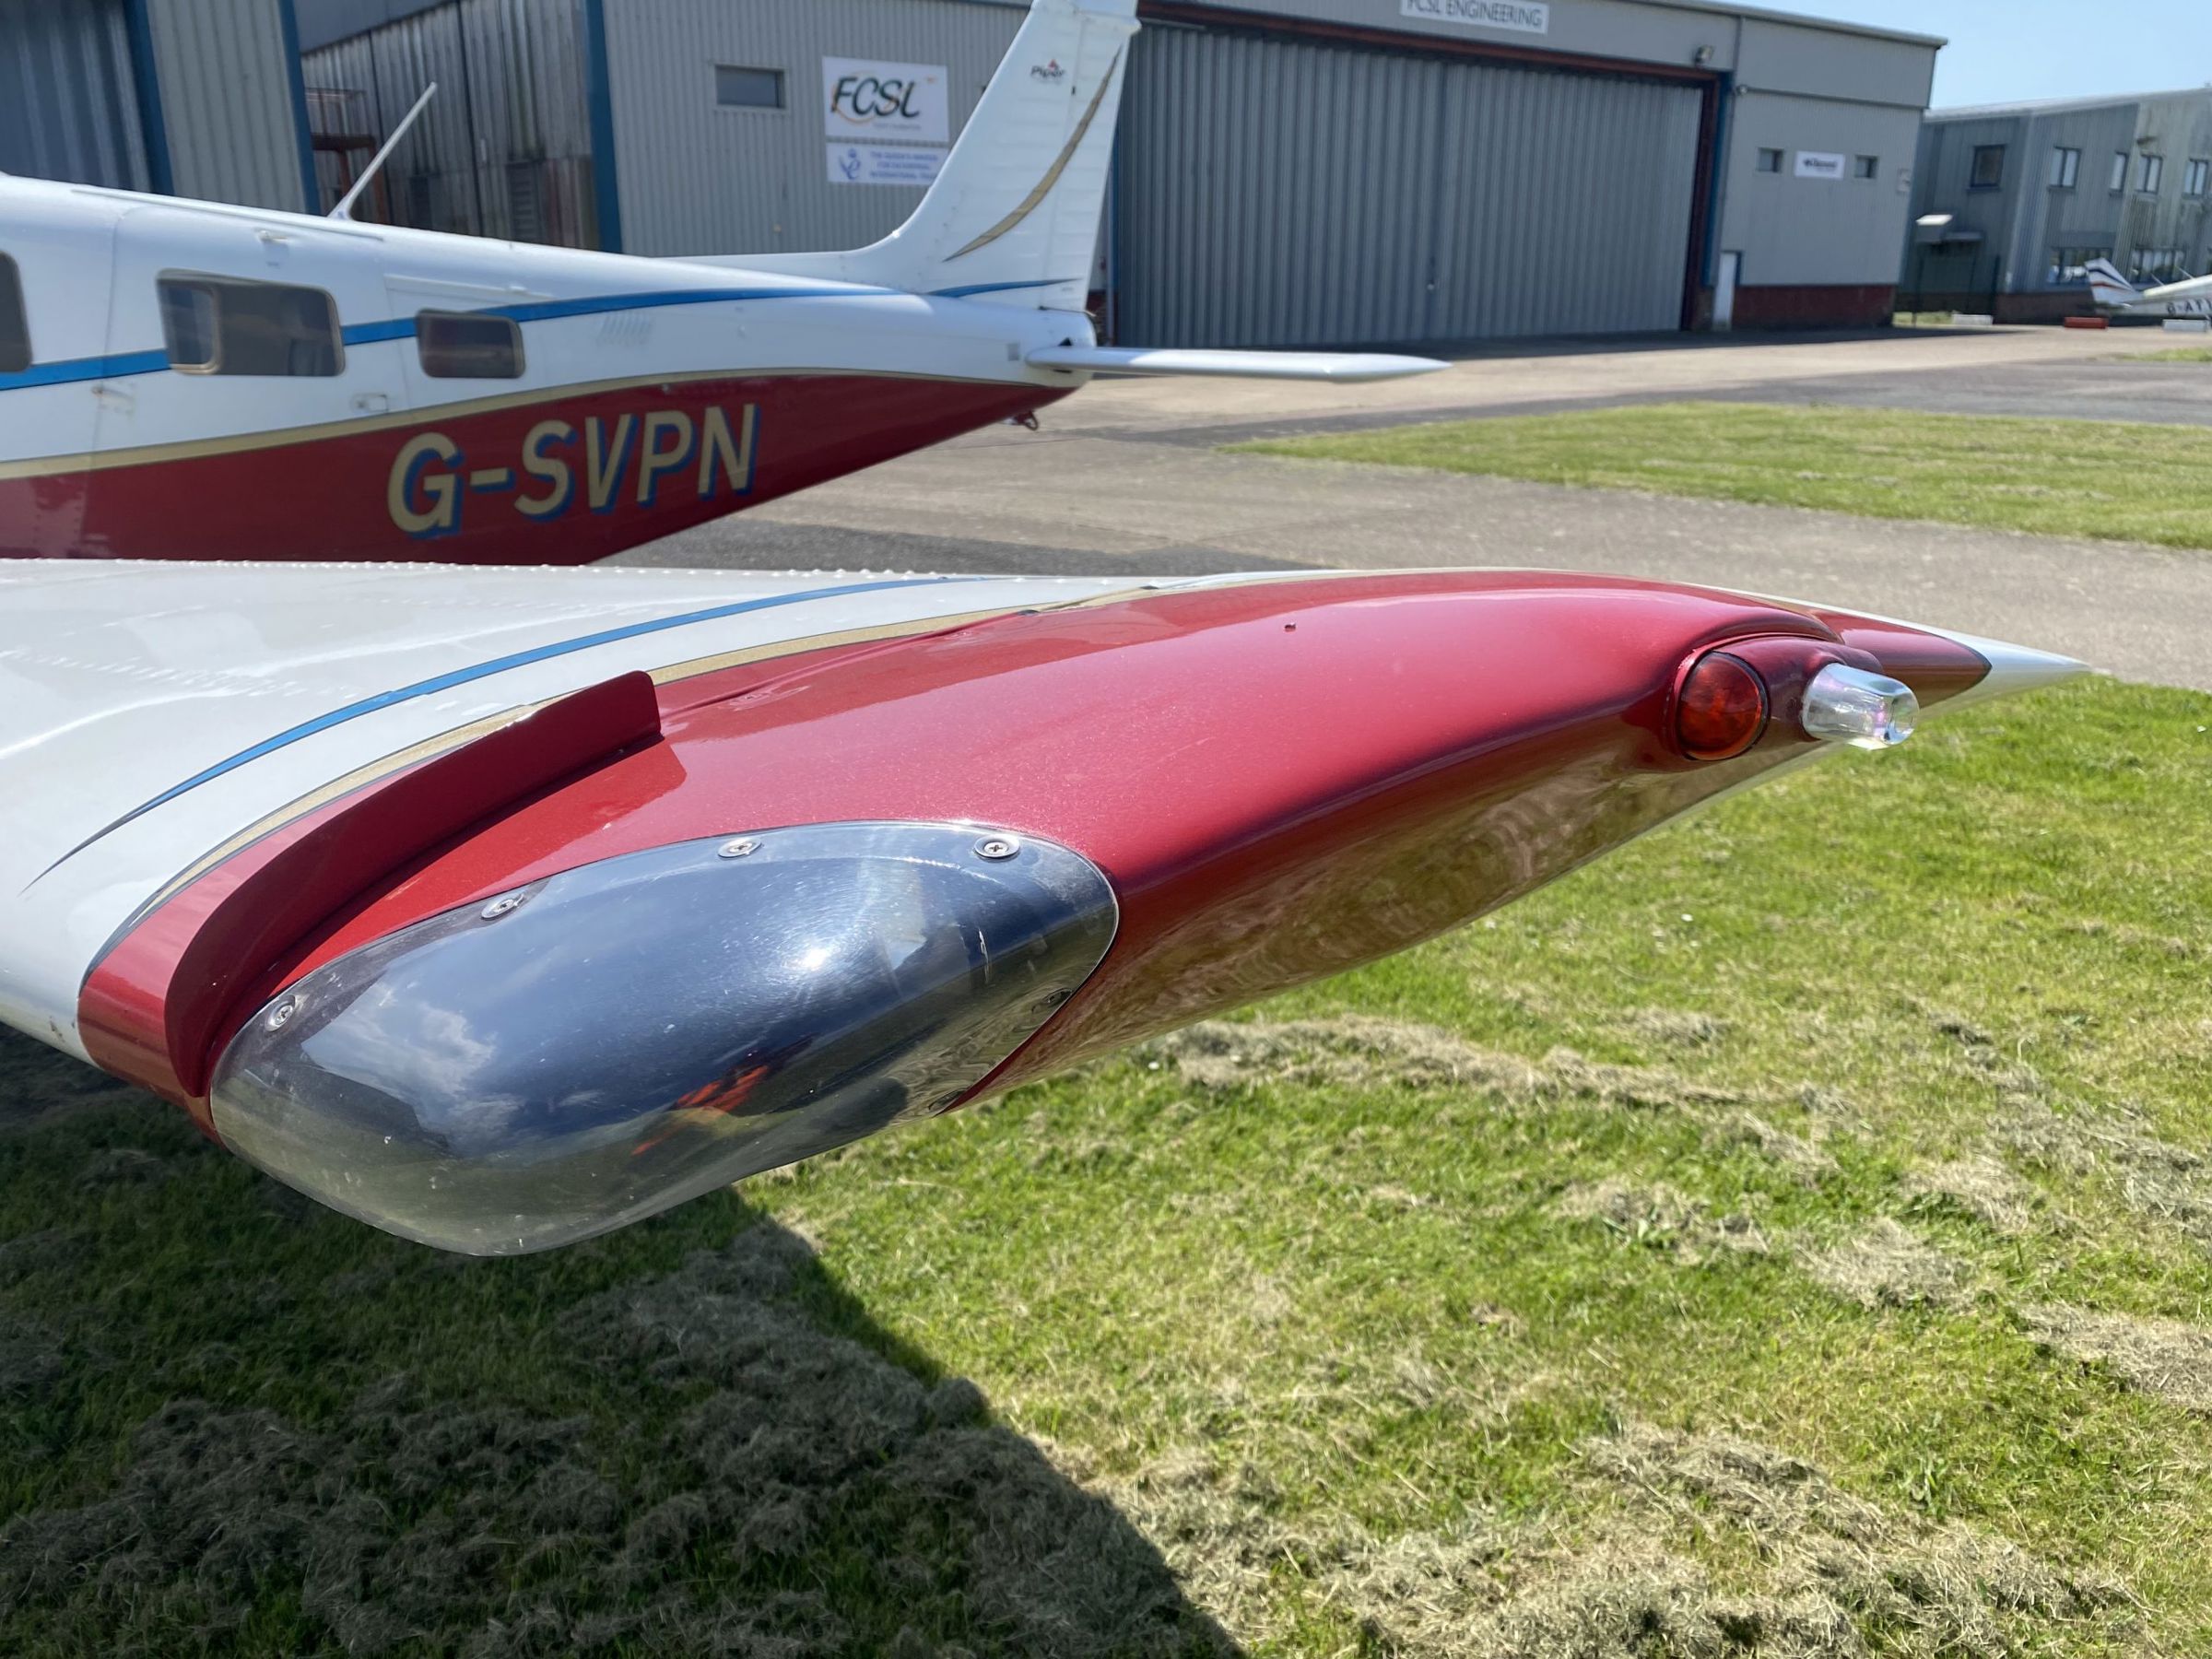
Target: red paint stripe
x,y
331,498
152,1009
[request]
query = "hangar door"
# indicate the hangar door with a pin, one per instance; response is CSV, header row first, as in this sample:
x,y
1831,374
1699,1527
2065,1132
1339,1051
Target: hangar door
x,y
68,105
1278,193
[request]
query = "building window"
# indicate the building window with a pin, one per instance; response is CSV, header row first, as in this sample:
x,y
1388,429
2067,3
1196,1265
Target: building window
x,y
2070,266
741,88
223,325
2065,168
2120,171
1989,167
2153,175
1866,167
469,346
2154,266
15,327
1769,162
2200,178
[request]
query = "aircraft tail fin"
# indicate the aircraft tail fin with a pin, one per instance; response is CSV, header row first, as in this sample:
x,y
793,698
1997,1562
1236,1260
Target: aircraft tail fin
x,y
2109,288
1014,215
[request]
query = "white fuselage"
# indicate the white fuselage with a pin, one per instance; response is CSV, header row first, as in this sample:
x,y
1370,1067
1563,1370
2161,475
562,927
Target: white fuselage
x,y
108,448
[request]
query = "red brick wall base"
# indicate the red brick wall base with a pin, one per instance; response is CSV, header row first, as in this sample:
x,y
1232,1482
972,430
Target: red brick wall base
x,y
1841,307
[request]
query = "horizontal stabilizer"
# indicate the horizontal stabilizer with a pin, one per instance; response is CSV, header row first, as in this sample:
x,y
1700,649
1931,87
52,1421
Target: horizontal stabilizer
x,y
1341,368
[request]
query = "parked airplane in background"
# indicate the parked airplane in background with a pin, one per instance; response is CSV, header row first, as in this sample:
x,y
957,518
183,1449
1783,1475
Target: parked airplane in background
x,y
182,380
2116,296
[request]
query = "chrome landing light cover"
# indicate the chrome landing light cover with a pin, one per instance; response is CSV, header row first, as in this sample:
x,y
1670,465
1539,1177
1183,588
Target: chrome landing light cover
x,y
639,1032
1867,711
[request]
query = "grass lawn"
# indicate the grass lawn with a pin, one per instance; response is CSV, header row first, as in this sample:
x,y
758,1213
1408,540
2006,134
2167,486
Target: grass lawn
x,y
1792,1233
2179,354
2127,482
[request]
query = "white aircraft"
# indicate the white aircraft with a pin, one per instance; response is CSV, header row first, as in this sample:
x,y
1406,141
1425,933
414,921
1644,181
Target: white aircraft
x,y
2116,296
184,380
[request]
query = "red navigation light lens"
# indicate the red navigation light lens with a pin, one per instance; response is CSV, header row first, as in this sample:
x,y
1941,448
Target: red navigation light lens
x,y
1721,710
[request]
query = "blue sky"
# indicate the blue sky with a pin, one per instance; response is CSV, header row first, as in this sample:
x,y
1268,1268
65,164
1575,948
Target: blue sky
x,y
2005,49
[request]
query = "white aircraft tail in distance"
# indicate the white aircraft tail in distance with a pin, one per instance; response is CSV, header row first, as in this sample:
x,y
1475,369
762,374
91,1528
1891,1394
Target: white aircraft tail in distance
x,y
2117,297
184,380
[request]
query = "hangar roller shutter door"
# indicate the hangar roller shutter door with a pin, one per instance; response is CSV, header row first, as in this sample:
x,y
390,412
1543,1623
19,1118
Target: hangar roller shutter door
x,y
1279,192
69,108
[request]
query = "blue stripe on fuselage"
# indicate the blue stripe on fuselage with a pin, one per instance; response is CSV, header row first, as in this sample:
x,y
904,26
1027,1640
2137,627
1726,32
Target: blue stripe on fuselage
x,y
72,370
999,288
463,676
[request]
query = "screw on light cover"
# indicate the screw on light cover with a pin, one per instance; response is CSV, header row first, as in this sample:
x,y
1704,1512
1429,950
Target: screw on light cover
x,y
1867,711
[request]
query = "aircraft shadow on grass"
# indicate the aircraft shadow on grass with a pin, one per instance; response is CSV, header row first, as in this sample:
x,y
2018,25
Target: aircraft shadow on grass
x,y
229,1418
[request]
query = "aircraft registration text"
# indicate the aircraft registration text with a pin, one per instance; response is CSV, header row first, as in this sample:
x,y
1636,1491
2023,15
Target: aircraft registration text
x,y
605,463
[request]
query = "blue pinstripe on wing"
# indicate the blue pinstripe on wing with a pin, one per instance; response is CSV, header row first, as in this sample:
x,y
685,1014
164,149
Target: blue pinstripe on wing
x,y
462,676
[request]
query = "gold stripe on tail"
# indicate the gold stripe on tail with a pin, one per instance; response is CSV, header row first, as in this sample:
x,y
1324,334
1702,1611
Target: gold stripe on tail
x,y
1036,197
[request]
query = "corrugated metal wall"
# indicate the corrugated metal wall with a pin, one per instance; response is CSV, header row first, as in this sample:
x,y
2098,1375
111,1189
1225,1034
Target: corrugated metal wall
x,y
697,178
227,100
504,149
1279,192
67,110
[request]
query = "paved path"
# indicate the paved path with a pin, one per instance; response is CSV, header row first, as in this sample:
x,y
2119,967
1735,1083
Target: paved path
x,y
1126,477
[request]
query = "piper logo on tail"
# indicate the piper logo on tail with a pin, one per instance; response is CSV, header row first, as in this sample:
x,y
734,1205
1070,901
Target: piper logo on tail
x,y
609,463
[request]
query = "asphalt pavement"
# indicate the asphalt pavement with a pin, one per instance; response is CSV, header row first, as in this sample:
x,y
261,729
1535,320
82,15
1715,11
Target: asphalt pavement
x,y
1128,477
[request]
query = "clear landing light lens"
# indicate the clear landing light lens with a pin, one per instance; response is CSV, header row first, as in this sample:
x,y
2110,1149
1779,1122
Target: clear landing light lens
x,y
1867,711
618,1038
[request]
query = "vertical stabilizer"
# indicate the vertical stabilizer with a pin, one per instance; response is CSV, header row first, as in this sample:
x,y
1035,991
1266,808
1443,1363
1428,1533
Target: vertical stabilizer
x,y
1014,216
2109,288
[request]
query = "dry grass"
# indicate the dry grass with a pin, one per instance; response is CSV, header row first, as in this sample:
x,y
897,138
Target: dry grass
x,y
1888,1266
2162,1357
1675,1027
1801,1157
2153,1177
1983,1187
1661,1217
1705,1546
1363,1051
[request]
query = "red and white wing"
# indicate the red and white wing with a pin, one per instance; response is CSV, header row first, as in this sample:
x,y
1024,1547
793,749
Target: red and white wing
x,y
499,909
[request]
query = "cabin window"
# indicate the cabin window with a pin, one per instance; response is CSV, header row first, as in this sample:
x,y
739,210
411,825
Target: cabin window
x,y
469,346
222,326
738,88
15,328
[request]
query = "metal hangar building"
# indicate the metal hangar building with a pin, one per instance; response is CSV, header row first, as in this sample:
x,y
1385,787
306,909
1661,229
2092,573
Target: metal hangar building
x,y
2013,201
198,98
1324,172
